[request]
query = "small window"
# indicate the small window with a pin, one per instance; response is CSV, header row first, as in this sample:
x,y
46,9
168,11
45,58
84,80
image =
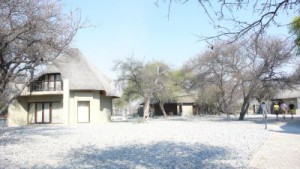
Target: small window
x,y
51,78
48,82
46,86
58,86
58,77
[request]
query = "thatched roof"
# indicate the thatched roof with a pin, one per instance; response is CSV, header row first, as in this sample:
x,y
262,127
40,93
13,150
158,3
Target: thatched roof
x,y
81,74
182,99
186,99
288,93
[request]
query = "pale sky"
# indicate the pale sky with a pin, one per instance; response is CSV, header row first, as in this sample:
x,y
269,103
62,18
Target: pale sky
x,y
140,28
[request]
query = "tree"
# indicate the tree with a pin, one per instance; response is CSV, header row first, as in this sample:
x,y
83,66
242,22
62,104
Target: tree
x,y
119,105
216,70
226,16
169,88
295,29
266,61
251,71
140,80
207,100
32,34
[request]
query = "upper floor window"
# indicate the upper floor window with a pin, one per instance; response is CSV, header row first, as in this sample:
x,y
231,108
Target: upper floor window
x,y
47,82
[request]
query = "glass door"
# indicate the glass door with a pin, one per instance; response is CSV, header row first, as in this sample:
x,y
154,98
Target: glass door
x,y
43,113
39,113
47,113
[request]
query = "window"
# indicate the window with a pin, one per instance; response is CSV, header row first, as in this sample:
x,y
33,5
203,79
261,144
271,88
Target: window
x,y
51,81
45,112
48,82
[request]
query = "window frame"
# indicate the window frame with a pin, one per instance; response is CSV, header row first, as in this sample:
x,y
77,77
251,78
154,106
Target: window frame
x,y
39,85
43,111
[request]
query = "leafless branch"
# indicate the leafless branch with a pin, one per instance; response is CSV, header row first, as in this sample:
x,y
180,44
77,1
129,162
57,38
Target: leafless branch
x,y
32,34
228,11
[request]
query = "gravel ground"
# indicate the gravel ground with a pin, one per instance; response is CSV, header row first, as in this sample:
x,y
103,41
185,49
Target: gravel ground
x,y
2,122
200,142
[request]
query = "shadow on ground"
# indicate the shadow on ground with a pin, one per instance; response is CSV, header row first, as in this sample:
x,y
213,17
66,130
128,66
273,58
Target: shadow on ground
x,y
156,155
14,135
271,119
292,127
287,125
177,119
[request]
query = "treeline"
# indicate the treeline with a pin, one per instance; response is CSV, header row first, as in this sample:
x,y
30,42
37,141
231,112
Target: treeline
x,y
224,78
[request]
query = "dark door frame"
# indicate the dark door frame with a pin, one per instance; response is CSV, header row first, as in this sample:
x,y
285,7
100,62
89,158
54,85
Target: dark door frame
x,y
43,112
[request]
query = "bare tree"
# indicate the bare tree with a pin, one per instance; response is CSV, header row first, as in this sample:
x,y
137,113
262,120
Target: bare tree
x,y
227,16
32,34
140,80
216,70
265,63
295,77
251,71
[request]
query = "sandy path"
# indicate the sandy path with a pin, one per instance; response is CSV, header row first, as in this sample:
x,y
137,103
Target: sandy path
x,y
282,149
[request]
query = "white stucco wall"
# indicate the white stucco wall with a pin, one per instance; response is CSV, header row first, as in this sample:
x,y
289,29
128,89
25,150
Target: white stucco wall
x,y
17,113
99,112
106,107
100,106
66,101
187,110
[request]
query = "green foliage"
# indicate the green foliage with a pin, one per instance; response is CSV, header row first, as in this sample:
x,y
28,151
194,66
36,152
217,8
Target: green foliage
x,y
295,29
129,78
296,22
120,102
140,80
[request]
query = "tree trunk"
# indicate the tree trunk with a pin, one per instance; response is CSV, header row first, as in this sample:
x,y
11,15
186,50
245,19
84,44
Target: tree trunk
x,y
244,108
4,105
146,107
161,105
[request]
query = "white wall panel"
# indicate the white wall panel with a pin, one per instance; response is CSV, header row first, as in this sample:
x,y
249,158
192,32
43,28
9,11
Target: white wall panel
x,y
31,113
57,112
